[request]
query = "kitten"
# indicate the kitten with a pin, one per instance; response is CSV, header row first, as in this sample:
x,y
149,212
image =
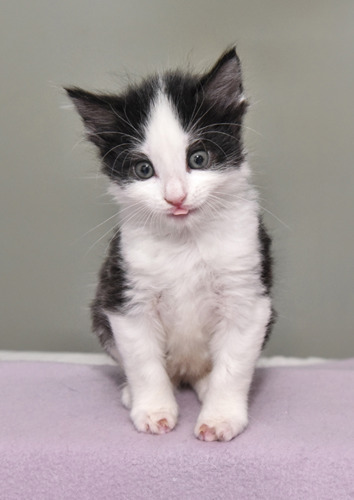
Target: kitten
x,y
184,294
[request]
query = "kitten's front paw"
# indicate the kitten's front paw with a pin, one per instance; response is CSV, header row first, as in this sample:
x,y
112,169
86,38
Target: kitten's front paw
x,y
154,422
219,429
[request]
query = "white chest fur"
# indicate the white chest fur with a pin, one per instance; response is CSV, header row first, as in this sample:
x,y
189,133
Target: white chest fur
x,y
191,282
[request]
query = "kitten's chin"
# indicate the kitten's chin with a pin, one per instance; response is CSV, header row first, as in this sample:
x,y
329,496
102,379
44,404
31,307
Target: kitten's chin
x,y
190,222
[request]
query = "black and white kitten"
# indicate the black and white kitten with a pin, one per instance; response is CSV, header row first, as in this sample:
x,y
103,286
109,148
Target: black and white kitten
x,y
184,294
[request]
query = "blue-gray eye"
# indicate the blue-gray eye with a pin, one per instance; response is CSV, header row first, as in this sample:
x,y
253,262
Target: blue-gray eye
x,y
144,170
198,159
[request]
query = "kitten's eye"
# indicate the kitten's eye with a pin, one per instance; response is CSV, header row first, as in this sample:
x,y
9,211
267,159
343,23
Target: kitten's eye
x,y
144,170
199,159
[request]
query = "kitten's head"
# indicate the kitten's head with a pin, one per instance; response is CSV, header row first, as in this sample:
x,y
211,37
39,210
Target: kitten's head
x,y
171,146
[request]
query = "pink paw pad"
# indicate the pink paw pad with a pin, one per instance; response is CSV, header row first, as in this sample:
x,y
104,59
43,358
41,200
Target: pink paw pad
x,y
163,425
207,433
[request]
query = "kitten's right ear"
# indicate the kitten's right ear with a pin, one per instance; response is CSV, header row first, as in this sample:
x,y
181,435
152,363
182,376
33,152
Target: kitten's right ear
x,y
98,112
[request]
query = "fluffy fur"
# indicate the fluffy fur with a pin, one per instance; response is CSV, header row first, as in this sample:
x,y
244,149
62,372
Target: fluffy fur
x,y
184,294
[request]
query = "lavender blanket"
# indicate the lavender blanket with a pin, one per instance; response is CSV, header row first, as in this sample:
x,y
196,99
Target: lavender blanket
x,y
65,435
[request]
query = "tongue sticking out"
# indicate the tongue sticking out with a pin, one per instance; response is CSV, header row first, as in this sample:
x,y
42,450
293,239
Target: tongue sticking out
x,y
180,211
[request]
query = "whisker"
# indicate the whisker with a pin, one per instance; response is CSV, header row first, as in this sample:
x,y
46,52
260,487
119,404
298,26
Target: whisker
x,y
100,224
77,143
229,124
112,132
130,123
132,215
275,217
115,232
129,207
122,225
115,147
221,202
107,232
195,125
196,111
117,158
215,144
237,196
96,242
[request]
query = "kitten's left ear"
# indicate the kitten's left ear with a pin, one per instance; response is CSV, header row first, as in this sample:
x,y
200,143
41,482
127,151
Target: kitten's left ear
x,y
223,84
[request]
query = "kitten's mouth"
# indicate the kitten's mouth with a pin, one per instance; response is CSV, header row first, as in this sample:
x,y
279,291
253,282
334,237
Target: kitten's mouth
x,y
180,212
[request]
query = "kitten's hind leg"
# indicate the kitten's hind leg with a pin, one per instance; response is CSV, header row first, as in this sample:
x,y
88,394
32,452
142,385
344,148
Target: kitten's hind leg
x,y
126,397
201,387
149,390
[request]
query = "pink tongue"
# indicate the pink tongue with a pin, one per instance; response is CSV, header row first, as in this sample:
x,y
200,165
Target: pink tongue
x,y
180,211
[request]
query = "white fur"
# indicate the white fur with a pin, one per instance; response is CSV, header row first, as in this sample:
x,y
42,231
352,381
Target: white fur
x,y
195,286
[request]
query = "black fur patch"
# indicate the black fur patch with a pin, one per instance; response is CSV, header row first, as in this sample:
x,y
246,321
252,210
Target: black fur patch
x,y
267,260
266,272
111,292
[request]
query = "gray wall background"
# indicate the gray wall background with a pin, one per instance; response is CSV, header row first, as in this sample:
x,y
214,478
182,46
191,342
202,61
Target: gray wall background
x,y
299,71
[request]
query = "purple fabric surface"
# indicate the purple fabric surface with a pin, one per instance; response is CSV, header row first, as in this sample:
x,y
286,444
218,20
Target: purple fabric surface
x,y
65,435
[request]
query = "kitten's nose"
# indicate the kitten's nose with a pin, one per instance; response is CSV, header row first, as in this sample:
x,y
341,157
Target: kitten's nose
x,y
175,192
176,201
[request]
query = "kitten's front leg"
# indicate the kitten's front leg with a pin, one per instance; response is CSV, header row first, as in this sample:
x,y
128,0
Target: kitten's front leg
x,y
139,341
224,392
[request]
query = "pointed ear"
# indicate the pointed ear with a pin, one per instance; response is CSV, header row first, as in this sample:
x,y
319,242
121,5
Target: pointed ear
x,y
98,112
223,84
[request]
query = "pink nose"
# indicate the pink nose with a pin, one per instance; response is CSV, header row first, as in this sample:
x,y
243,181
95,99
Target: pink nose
x,y
176,201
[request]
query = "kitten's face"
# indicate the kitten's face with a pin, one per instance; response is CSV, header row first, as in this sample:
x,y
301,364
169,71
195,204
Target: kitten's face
x,y
171,147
